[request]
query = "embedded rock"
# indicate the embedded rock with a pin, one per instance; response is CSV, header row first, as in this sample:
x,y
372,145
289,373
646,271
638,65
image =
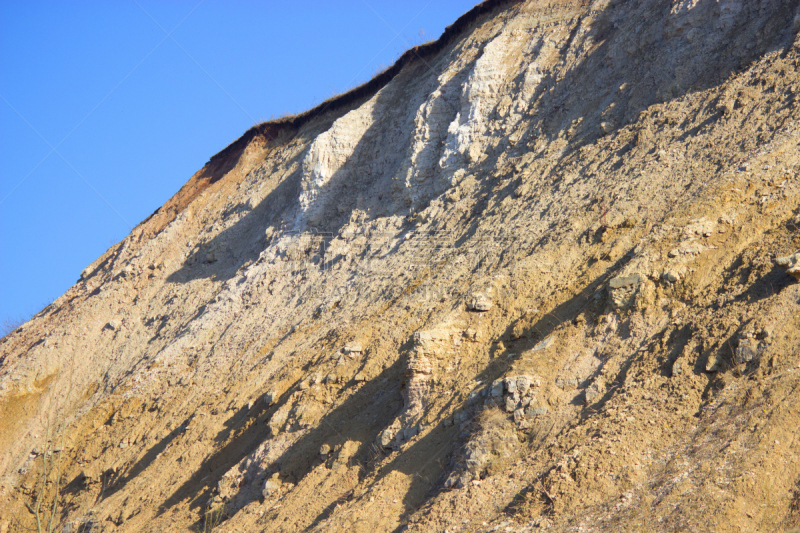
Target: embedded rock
x,y
791,264
352,349
747,350
479,302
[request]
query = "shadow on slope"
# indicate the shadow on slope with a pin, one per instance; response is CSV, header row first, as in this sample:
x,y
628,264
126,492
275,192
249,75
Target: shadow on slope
x,y
606,81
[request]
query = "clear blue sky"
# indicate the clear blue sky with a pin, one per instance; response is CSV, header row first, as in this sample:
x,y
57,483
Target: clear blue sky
x,y
109,106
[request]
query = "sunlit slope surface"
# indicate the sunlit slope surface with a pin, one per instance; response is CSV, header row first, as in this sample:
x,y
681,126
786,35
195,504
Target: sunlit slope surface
x,y
539,276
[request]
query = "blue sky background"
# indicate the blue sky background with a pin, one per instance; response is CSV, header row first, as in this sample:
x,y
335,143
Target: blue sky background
x,y
108,107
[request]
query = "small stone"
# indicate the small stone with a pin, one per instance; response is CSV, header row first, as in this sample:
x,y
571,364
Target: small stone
x,y
331,379
592,392
546,343
523,384
511,385
479,302
676,369
566,383
533,411
353,348
360,377
791,263
271,486
606,127
270,397
511,404
410,432
304,385
712,365
475,395
497,388
625,281
671,276
519,415
471,335
324,450
746,351
386,438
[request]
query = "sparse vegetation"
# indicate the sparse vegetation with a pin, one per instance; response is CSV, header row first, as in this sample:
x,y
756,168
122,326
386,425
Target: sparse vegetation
x,y
213,517
9,324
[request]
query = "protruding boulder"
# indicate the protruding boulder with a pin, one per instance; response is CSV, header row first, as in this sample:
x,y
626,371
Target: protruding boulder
x,y
415,400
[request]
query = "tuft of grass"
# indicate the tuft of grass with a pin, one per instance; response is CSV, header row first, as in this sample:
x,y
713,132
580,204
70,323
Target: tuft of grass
x,y
213,517
9,324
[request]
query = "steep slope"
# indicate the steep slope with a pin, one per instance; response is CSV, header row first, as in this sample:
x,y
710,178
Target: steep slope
x,y
524,279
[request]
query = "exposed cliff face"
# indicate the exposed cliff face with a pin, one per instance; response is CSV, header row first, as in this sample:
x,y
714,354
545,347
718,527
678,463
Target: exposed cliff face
x,y
526,280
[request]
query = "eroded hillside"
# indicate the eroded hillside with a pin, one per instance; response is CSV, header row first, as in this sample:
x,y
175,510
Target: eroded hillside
x,y
539,275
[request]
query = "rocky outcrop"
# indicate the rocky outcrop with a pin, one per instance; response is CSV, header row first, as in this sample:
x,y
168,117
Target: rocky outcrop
x,y
415,400
791,263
